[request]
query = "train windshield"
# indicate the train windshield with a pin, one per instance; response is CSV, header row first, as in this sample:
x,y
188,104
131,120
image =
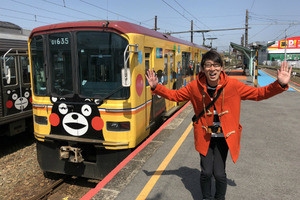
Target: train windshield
x,y
60,64
101,59
37,62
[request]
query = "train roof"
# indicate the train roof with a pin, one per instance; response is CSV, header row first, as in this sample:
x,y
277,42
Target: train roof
x,y
15,41
120,26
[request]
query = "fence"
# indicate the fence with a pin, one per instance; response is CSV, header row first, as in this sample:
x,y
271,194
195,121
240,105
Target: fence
x,y
295,64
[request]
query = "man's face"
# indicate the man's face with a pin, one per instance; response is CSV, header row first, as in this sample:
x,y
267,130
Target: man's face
x,y
212,72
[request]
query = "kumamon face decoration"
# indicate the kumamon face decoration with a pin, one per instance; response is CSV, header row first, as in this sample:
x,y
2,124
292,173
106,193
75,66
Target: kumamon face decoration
x,y
76,118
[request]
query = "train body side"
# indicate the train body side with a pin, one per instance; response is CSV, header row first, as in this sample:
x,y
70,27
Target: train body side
x,y
15,91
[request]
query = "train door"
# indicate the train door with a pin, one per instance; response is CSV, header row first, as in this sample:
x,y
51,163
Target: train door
x,y
148,95
172,75
16,92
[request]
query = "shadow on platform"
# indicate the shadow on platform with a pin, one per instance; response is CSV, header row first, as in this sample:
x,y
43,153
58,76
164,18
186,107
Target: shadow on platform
x,y
190,178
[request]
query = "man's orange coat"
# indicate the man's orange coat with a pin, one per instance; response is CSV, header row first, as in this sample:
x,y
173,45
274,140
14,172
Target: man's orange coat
x,y
228,106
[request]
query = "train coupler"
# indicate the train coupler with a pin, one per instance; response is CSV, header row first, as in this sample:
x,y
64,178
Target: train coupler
x,y
73,154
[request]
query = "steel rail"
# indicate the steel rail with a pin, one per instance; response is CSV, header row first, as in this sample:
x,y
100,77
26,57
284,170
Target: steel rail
x,y
45,193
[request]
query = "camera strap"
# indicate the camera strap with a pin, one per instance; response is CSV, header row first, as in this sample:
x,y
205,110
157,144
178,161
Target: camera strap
x,y
196,118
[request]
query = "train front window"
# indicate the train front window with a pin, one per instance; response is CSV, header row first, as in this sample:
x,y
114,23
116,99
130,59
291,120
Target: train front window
x,y
37,62
101,59
25,69
60,64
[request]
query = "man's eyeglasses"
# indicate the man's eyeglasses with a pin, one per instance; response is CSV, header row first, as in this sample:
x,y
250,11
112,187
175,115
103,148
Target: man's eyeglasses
x,y
208,65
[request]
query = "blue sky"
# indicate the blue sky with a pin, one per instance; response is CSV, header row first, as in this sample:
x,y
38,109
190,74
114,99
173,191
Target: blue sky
x,y
268,19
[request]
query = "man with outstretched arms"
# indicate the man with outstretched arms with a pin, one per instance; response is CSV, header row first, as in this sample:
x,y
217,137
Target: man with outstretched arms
x,y
217,129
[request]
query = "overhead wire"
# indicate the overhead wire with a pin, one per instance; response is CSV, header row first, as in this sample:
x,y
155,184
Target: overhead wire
x,y
39,8
176,10
268,18
30,14
252,5
96,6
22,18
260,31
97,17
182,14
191,14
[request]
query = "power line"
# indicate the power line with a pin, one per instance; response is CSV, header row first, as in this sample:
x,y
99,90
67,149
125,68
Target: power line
x,y
22,18
208,30
96,6
184,15
260,31
252,4
283,32
39,8
221,16
266,18
97,17
290,35
30,14
276,24
190,14
176,11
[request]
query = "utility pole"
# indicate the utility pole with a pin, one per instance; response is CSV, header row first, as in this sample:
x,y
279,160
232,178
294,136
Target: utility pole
x,y
246,29
211,39
285,48
242,40
192,39
155,27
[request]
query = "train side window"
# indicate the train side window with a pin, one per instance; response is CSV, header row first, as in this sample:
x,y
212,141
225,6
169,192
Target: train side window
x,y
173,73
147,64
186,65
165,74
147,55
37,62
25,69
11,64
179,68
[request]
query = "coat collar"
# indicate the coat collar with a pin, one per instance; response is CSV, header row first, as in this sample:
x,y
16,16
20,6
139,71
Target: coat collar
x,y
201,79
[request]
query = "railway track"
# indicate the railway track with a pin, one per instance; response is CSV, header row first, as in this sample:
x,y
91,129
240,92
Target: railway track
x,y
295,79
49,190
66,187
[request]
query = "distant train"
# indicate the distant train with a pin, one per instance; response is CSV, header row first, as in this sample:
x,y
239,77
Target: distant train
x,y
15,89
91,101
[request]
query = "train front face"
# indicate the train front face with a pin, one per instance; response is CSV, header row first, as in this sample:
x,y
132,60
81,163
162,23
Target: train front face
x,y
73,73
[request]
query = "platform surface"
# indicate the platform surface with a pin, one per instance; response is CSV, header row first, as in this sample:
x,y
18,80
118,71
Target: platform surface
x,y
268,166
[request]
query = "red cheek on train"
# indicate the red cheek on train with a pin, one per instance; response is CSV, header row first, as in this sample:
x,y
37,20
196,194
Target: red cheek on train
x,y
30,99
54,119
97,123
9,104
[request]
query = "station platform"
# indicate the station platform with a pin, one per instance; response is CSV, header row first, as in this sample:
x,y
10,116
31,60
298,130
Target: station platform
x,y
167,166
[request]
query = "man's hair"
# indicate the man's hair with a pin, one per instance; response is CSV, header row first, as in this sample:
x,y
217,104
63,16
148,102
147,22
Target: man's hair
x,y
212,55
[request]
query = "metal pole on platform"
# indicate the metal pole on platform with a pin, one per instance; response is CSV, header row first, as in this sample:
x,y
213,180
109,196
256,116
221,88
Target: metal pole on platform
x,y
255,67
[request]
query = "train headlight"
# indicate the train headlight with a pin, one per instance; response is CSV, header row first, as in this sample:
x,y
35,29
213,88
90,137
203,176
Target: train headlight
x,y
118,126
42,120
